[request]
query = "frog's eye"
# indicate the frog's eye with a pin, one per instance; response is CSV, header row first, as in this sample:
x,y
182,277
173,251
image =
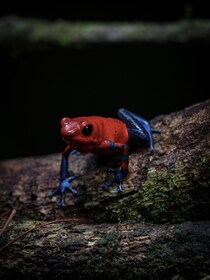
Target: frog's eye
x,y
87,130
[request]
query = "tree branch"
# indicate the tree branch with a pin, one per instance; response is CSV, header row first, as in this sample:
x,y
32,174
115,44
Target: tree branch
x,y
25,34
170,186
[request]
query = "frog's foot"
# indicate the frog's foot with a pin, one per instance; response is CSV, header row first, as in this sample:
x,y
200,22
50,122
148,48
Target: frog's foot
x,y
65,184
119,176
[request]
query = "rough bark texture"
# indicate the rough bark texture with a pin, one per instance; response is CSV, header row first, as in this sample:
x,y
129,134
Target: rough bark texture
x,y
108,251
26,34
173,186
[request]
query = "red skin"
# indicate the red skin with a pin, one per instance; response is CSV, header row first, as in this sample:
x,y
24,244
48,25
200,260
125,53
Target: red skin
x,y
104,131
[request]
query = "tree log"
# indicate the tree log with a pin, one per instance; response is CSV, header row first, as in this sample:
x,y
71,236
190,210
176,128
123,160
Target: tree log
x,y
20,34
123,251
170,186
107,236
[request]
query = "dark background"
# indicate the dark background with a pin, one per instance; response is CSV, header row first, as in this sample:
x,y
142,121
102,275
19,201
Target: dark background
x,y
40,87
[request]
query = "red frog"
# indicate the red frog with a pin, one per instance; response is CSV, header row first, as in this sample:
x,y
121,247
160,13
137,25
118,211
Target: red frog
x,y
102,135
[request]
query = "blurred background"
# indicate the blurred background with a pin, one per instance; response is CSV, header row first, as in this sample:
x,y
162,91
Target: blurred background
x,y
41,83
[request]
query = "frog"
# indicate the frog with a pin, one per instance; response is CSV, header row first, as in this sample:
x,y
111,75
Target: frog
x,y
102,136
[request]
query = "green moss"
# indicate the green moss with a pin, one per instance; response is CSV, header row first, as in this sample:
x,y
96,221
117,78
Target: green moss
x,y
106,238
169,195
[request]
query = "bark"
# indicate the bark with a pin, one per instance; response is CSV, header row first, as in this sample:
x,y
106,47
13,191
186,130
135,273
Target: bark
x,y
20,34
110,251
170,186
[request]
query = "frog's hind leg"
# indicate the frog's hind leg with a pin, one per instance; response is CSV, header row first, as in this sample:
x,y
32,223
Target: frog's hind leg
x,y
138,128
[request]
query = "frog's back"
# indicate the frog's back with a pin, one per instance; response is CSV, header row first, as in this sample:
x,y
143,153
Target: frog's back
x,y
111,129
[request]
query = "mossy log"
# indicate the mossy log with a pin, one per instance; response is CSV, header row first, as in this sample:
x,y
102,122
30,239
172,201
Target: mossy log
x,y
107,235
20,34
170,186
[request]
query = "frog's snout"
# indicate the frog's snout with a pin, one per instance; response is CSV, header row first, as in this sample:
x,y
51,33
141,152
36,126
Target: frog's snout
x,y
65,121
68,128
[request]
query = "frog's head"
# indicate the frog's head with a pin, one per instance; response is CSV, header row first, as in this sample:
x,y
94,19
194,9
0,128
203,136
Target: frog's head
x,y
78,130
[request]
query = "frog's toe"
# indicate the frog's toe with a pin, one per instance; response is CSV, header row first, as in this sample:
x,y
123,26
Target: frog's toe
x,y
120,189
53,192
108,184
72,190
62,204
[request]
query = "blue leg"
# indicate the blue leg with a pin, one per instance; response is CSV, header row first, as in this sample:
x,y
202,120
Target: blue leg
x,y
64,168
64,180
122,172
138,128
119,176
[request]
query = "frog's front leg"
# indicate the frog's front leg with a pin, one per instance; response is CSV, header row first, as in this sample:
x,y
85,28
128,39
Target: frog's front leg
x,y
64,180
122,172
